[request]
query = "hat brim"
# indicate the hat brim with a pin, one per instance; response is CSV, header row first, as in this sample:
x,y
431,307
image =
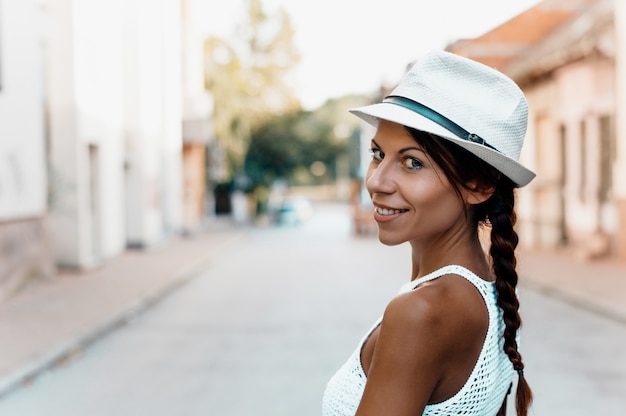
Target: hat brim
x,y
401,115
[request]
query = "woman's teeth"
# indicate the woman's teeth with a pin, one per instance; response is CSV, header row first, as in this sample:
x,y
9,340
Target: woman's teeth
x,y
386,211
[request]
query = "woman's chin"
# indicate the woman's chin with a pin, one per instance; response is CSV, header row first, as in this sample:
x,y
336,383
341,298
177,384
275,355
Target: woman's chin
x,y
388,240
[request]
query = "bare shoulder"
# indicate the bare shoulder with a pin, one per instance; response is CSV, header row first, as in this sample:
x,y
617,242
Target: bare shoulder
x,y
407,362
421,350
443,308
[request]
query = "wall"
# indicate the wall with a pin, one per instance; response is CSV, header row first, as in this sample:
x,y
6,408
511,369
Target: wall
x,y
152,105
85,97
115,126
22,160
570,136
25,253
194,188
620,165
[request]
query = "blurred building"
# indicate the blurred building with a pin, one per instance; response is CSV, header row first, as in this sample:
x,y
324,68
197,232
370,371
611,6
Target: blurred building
x,y
114,108
565,55
103,111
25,250
199,142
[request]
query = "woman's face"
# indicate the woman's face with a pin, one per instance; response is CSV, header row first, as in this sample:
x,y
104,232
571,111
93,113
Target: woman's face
x,y
413,200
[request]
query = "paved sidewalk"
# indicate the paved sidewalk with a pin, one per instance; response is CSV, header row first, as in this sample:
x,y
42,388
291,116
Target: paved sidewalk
x,y
596,285
52,321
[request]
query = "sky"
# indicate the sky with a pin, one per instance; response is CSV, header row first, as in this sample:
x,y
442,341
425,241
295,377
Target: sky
x,y
354,46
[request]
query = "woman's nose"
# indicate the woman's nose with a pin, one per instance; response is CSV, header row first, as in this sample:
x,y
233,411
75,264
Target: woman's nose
x,y
379,178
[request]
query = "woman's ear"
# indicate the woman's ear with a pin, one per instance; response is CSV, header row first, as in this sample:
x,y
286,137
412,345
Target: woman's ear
x,y
474,195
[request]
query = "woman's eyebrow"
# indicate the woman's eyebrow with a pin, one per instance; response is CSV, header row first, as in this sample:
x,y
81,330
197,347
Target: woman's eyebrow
x,y
406,149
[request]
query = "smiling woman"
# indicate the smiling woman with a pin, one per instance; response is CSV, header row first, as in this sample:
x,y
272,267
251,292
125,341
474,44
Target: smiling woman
x,y
444,164
413,200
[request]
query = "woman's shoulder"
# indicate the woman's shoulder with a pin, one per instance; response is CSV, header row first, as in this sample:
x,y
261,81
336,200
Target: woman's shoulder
x,y
423,343
448,302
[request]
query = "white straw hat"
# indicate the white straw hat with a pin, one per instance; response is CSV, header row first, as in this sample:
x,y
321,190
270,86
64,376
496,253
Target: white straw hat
x,y
463,101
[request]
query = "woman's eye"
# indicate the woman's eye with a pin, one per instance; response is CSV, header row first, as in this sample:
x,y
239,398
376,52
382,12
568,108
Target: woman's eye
x,y
412,163
377,154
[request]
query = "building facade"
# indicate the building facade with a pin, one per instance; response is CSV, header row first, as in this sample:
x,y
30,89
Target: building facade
x,y
197,128
25,249
114,115
104,124
564,56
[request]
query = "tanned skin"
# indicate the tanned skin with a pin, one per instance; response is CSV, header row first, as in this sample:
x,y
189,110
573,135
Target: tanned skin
x,y
430,338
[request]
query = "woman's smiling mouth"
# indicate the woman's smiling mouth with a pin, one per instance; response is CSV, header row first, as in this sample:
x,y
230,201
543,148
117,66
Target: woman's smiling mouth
x,y
389,211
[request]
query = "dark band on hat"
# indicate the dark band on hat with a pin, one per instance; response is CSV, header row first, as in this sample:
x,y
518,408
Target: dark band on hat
x,y
443,121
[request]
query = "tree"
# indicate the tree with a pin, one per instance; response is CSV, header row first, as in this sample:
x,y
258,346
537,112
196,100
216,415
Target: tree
x,y
247,78
287,146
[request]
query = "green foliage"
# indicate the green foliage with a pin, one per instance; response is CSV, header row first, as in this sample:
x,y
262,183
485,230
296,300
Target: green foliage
x,y
270,155
286,146
246,76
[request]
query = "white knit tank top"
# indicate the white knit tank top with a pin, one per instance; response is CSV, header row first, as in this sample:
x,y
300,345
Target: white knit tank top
x,y
483,391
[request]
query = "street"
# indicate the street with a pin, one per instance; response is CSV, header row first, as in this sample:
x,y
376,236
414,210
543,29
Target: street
x,y
264,327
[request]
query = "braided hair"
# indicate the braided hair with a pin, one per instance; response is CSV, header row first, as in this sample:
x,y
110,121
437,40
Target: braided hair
x,y
462,168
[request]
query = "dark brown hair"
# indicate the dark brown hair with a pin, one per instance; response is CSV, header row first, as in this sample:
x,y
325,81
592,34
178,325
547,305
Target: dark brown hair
x,y
462,168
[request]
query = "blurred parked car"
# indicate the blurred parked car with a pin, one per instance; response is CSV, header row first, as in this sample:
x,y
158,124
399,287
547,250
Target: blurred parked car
x,y
294,211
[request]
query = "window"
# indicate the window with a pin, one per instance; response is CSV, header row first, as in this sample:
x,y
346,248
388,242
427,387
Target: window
x,y
607,157
563,148
583,159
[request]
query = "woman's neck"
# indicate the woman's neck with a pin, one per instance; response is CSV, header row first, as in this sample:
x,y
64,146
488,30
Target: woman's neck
x,y
466,252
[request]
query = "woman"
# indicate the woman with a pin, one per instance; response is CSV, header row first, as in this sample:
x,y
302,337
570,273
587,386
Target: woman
x,y
444,166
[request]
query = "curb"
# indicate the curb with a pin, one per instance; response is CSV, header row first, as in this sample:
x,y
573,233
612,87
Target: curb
x,y
588,303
